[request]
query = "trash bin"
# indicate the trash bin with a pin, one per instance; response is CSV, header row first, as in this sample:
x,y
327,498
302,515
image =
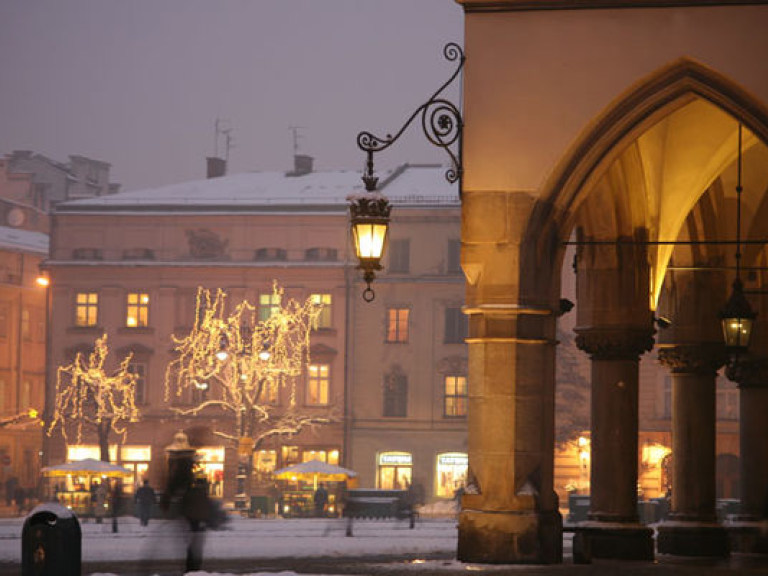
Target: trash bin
x,y
51,542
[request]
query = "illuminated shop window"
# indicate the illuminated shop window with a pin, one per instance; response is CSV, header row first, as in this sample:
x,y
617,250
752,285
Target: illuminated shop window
x,y
451,473
395,471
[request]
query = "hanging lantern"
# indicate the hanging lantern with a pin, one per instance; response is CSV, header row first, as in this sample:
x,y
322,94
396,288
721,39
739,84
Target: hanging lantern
x,y
737,319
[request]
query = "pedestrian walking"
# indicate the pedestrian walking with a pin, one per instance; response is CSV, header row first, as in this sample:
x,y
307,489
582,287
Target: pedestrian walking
x,y
10,490
20,496
116,502
321,500
100,505
145,502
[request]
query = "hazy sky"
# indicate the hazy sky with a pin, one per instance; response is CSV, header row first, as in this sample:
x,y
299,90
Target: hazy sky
x,y
140,83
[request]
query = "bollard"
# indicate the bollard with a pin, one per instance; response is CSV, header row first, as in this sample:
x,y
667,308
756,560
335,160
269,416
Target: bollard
x,y
51,542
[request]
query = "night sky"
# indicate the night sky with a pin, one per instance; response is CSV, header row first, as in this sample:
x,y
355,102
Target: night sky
x,y
140,83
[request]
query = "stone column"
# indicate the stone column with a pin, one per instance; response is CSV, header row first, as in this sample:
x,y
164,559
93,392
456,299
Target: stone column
x,y
613,529
747,530
614,326
692,528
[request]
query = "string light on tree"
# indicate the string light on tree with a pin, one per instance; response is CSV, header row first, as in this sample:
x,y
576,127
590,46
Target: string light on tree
x,y
244,366
88,397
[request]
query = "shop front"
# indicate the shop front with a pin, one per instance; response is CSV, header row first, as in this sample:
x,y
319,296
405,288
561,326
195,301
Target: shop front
x,y
451,473
394,470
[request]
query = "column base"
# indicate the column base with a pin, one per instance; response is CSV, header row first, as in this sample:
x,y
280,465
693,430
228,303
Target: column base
x,y
690,538
748,536
612,540
510,537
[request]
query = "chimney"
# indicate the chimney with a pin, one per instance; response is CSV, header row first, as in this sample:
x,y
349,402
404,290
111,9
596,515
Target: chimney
x,y
302,164
216,167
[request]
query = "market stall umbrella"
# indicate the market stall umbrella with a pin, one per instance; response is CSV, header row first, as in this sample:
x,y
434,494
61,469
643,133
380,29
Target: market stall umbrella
x,y
315,470
87,467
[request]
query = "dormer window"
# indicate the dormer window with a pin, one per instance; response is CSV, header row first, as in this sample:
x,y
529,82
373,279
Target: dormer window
x,y
138,254
86,254
321,254
270,255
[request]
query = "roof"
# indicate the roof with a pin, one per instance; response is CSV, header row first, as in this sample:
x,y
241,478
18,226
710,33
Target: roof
x,y
18,240
274,191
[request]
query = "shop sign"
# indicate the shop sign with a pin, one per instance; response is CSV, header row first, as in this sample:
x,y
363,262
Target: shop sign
x,y
395,459
453,459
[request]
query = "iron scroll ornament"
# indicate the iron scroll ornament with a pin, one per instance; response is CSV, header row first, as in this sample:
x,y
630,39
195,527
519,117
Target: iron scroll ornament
x,y
441,123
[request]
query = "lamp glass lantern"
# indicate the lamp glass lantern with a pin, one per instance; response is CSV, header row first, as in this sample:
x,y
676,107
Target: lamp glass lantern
x,y
369,222
737,318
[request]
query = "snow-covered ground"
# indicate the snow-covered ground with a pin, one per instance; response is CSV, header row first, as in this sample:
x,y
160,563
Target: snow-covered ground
x,y
256,539
248,538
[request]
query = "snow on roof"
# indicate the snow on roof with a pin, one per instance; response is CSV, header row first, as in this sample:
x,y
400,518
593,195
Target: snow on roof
x,y
23,240
407,185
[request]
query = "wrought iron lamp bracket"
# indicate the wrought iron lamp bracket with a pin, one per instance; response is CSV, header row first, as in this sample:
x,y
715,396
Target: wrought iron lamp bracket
x,y
441,123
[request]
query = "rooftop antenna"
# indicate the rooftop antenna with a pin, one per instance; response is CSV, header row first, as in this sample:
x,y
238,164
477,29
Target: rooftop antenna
x,y
221,128
296,137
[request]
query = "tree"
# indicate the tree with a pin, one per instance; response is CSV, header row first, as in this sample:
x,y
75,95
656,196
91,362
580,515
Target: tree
x,y
86,396
241,364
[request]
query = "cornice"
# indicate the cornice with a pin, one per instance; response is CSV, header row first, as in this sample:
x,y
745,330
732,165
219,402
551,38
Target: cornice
x,y
702,358
473,6
615,343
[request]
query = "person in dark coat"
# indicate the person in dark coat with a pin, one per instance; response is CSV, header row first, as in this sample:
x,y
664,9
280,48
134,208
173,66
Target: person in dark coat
x,y
145,501
321,500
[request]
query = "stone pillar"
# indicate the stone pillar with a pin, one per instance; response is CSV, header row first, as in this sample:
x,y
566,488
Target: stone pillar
x,y
510,512
747,530
692,528
613,529
614,326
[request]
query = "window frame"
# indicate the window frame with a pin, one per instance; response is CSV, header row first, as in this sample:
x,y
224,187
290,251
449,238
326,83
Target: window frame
x,y
319,382
140,307
324,319
395,395
458,398
398,329
90,305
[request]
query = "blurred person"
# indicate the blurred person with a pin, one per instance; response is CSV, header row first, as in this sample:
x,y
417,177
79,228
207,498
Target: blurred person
x,y
321,500
145,502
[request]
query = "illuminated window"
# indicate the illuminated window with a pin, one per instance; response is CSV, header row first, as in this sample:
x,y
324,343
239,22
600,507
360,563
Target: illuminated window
x,y
397,324
324,318
140,371
137,310
318,384
86,308
269,305
395,395
25,333
395,470
451,473
269,393
455,397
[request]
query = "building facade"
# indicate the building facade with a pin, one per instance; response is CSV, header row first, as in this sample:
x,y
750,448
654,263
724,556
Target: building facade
x,y
242,233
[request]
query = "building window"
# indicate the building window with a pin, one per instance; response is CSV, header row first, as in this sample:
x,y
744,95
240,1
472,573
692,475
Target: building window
x,y
455,326
324,318
400,256
395,395
139,370
270,254
26,395
454,257
321,254
137,310
397,324
200,392
4,322
318,384
86,254
138,254
269,392
25,332
269,305
666,392
451,473
395,471
455,397
86,308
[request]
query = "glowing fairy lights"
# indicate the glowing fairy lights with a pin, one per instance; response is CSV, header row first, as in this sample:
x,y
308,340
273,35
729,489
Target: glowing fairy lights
x,y
87,396
245,365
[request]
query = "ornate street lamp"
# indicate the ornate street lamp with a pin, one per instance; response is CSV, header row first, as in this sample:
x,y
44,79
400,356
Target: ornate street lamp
x,y
369,212
737,317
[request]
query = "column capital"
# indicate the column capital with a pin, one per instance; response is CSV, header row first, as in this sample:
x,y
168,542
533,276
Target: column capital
x,y
615,343
700,358
748,371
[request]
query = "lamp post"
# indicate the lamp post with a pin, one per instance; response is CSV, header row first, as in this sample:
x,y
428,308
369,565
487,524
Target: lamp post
x,y
737,318
44,281
369,212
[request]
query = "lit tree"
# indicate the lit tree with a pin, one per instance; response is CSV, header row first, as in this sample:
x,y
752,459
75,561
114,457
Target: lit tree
x,y
240,364
88,397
